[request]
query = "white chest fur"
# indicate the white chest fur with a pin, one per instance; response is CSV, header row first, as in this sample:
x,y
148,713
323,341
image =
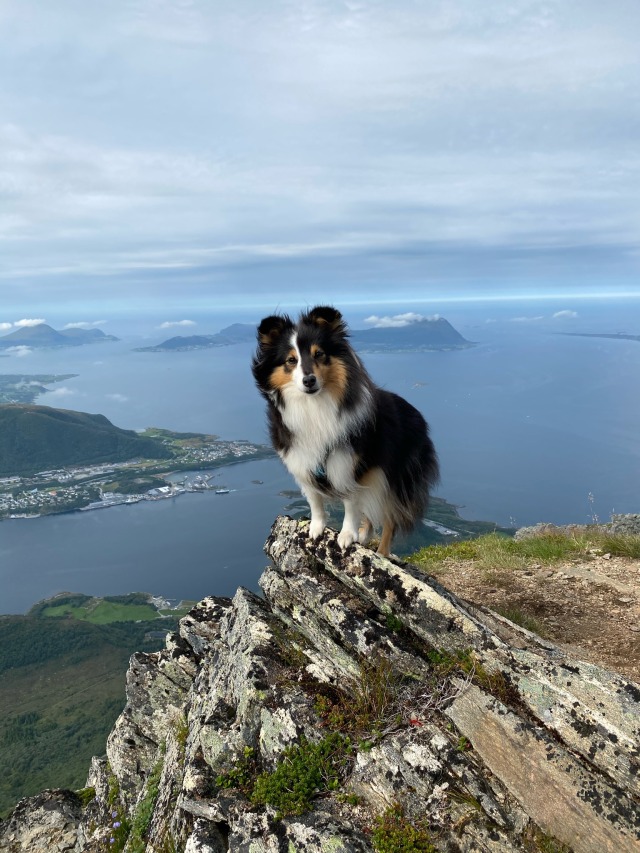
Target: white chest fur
x,y
319,430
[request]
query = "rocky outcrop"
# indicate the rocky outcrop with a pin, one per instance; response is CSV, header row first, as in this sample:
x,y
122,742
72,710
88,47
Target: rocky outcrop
x,y
358,706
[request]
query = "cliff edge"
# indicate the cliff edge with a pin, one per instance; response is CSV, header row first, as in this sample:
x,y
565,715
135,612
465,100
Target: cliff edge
x,y
360,706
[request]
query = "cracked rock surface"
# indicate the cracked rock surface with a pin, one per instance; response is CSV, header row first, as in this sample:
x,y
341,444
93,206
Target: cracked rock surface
x,y
488,738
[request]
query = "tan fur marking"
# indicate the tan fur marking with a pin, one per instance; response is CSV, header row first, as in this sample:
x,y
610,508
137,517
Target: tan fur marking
x,y
320,321
365,531
369,477
334,376
280,377
384,548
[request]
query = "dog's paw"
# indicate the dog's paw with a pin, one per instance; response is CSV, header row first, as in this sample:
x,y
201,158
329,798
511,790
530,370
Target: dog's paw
x,y
316,527
346,538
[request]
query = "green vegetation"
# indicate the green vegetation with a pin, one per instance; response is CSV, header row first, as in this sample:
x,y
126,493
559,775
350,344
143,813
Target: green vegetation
x,y
105,462
306,770
86,795
133,483
519,617
371,702
242,774
464,662
395,833
62,688
144,811
495,551
120,825
38,438
536,841
103,612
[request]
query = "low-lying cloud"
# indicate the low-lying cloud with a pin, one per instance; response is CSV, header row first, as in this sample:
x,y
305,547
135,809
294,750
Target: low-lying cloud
x,y
85,324
168,324
26,323
397,321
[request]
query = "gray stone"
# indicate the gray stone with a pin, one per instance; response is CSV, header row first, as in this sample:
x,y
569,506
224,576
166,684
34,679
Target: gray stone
x,y
531,742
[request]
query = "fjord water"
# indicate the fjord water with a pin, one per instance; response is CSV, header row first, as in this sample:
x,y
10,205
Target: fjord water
x,y
530,425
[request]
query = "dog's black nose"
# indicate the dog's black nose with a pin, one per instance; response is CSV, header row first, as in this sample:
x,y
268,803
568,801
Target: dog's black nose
x,y
309,381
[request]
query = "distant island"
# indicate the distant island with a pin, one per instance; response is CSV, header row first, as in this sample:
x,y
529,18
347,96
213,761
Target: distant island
x,y
613,335
43,336
421,336
54,461
24,387
237,333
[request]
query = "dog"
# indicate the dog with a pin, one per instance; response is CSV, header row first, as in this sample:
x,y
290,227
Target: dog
x,y
340,436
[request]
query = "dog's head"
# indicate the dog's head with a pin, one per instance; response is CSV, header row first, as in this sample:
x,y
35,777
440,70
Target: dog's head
x,y
309,357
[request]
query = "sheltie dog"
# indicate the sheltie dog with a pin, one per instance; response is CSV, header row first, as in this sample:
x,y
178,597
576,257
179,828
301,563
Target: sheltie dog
x,y
340,436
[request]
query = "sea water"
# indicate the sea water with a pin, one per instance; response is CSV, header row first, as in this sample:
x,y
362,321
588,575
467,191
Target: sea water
x,y
530,425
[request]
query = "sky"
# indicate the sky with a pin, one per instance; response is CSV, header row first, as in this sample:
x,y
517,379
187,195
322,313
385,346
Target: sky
x,y
171,156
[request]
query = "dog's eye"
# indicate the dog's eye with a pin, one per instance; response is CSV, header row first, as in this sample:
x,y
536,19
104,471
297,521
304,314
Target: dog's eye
x,y
292,360
318,354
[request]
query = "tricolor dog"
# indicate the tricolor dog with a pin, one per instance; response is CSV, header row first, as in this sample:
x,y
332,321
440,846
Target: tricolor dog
x,y
341,436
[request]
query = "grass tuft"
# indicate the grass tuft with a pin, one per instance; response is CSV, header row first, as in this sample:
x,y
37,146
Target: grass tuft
x,y
495,551
394,833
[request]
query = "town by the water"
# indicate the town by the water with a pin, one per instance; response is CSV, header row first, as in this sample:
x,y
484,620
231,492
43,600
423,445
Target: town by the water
x,y
88,487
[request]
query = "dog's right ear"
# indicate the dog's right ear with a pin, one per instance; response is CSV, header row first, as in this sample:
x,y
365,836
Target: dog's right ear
x,y
271,328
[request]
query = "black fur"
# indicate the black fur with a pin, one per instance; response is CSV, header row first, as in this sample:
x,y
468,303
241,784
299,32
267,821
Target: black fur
x,y
381,430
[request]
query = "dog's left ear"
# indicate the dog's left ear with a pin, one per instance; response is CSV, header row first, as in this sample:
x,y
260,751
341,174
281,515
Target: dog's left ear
x,y
327,316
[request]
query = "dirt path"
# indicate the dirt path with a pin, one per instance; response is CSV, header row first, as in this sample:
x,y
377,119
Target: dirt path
x,y
590,608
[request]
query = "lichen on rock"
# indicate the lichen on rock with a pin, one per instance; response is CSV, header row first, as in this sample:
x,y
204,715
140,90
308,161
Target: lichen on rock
x,y
457,723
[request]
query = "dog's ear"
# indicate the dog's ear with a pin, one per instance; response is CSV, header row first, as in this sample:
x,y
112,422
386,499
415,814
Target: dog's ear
x,y
327,316
271,328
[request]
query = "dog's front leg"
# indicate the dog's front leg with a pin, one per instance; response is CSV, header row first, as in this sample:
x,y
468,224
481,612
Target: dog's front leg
x,y
318,515
352,517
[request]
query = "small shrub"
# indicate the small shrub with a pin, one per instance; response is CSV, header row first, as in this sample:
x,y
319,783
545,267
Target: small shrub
x,y
463,745
306,769
242,775
370,704
393,623
86,795
395,833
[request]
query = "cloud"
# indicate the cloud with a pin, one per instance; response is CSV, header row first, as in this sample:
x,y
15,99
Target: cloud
x,y
170,323
561,315
62,392
20,351
83,324
397,321
494,131
526,319
117,398
4,327
22,324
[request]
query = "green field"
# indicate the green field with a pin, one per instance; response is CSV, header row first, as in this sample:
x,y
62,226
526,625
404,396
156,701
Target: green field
x,y
62,678
103,613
